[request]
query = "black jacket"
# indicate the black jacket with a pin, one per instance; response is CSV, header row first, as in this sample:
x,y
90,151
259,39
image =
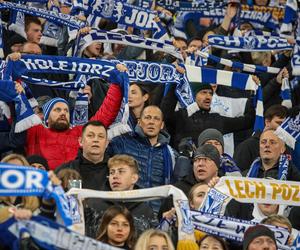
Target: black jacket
x,y
93,175
181,125
292,175
142,213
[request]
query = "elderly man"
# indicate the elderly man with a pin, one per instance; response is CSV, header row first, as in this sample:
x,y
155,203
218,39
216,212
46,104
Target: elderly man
x,y
206,165
272,161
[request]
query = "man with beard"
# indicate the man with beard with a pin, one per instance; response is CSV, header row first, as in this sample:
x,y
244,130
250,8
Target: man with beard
x,y
58,142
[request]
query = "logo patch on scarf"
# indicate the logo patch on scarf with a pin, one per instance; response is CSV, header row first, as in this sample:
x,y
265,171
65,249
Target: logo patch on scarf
x,y
187,226
214,202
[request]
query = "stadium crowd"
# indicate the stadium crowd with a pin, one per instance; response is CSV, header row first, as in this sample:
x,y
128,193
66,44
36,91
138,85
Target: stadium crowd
x,y
90,145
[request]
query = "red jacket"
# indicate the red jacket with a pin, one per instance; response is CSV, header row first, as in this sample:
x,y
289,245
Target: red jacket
x,y
59,147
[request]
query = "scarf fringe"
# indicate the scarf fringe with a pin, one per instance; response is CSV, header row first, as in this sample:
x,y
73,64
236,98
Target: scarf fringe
x,y
33,102
49,41
286,137
192,109
27,123
118,129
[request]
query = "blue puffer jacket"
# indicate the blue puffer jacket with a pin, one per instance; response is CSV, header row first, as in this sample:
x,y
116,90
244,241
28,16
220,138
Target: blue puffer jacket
x,y
156,162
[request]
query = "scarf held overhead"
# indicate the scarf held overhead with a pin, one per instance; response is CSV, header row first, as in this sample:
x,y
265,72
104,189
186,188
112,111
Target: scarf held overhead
x,y
28,181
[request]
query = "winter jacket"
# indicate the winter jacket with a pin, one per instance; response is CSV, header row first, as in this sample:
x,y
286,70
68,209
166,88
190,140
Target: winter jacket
x,y
93,175
181,125
62,146
292,175
142,213
155,168
246,152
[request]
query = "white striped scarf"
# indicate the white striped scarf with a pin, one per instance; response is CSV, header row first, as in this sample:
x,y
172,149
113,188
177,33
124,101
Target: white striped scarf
x,y
289,131
290,16
130,40
229,79
252,43
251,68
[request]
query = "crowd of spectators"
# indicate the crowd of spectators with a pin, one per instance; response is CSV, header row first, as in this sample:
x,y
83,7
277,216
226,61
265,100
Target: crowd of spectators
x,y
166,144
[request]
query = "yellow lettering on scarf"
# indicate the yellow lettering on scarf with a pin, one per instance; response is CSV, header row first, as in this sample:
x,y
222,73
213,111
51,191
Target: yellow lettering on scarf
x,y
227,182
247,189
285,192
260,190
239,188
296,192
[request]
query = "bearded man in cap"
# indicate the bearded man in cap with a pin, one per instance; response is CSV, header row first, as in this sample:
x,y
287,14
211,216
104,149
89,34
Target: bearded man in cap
x,y
58,142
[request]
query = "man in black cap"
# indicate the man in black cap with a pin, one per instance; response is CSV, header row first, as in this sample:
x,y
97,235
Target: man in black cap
x,y
259,237
206,163
189,124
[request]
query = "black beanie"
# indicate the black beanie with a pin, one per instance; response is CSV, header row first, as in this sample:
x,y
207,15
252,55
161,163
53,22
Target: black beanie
x,y
38,159
196,87
257,231
210,152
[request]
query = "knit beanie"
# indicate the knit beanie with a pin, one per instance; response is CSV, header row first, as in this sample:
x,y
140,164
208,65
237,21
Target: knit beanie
x,y
196,87
38,159
257,231
208,151
47,107
210,134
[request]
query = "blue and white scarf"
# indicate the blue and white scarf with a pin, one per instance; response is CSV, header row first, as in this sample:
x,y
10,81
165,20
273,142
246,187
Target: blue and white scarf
x,y
232,228
230,79
296,58
285,93
130,40
296,244
1,41
289,130
58,18
47,235
194,6
228,165
196,58
25,117
282,168
51,31
80,113
226,227
138,71
122,13
238,65
28,181
249,43
290,16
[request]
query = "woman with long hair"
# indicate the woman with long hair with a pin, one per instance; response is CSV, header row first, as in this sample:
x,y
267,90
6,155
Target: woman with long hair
x,y
154,239
117,228
138,99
